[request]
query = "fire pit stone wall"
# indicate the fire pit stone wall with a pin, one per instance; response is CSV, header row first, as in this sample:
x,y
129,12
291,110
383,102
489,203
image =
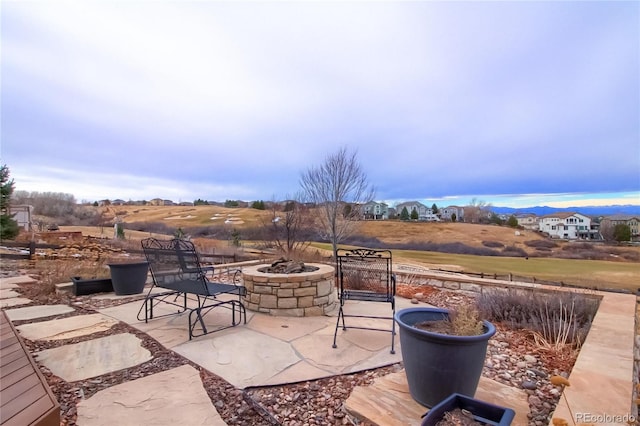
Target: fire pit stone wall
x,y
298,294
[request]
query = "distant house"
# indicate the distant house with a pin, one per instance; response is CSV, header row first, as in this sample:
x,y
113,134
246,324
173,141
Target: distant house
x,y
633,222
185,203
568,226
156,202
424,213
22,214
447,213
118,202
374,210
528,221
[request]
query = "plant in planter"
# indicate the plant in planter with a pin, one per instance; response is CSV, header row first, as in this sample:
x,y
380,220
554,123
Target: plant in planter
x,y
461,410
443,352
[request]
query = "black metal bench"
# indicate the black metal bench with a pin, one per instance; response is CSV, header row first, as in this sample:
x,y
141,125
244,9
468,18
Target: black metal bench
x,y
365,275
175,267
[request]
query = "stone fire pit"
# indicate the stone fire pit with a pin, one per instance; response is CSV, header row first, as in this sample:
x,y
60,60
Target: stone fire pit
x,y
299,294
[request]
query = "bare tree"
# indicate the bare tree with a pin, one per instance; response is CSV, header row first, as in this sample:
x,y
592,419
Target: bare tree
x,y
289,227
477,211
330,186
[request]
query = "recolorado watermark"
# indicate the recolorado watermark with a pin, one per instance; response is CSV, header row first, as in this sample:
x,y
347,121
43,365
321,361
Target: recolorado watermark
x,y
605,418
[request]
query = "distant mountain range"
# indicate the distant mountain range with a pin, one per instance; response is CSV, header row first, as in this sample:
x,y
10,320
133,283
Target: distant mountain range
x,y
628,209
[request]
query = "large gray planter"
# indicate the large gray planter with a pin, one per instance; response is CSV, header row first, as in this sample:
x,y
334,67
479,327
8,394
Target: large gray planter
x,y
129,277
438,365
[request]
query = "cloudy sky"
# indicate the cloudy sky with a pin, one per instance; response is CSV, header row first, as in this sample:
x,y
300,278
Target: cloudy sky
x,y
513,103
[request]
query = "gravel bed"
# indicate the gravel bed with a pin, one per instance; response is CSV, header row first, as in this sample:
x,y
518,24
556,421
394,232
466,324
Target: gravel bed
x,y
512,358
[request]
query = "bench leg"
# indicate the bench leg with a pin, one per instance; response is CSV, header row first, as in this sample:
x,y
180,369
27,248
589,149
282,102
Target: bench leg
x,y
335,334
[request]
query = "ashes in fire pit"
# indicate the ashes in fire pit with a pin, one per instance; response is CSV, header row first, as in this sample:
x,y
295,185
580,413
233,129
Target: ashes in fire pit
x,y
284,266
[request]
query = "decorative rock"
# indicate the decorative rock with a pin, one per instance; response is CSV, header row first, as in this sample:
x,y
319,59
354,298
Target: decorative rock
x,y
530,359
419,296
535,401
527,384
415,301
521,364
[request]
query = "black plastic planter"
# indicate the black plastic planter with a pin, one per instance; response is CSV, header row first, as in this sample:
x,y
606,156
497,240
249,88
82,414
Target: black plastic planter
x,y
482,412
129,278
83,287
438,365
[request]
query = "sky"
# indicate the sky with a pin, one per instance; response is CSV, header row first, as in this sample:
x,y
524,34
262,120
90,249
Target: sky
x,y
512,103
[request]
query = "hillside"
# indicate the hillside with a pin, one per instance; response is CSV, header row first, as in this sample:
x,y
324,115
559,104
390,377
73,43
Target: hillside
x,y
445,232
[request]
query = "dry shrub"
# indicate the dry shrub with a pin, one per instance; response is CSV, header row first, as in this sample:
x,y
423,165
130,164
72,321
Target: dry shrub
x,y
355,279
492,244
465,321
61,271
513,251
541,244
559,318
52,272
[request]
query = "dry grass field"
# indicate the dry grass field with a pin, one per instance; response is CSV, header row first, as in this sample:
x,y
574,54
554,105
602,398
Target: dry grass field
x,y
444,232
595,273
386,231
185,216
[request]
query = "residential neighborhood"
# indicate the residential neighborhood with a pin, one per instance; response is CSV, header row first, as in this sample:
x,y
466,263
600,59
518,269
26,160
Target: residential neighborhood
x,y
560,225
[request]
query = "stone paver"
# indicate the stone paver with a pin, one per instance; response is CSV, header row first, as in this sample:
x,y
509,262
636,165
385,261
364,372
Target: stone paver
x,y
14,301
388,401
601,385
5,293
94,357
286,328
320,353
66,328
34,312
12,282
240,356
173,397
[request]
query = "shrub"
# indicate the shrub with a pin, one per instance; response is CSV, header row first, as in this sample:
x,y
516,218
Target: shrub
x,y
513,251
540,244
492,244
454,248
560,318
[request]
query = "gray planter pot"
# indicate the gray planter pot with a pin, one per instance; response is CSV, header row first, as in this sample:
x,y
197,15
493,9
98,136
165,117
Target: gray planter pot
x,y
438,365
482,412
129,277
83,286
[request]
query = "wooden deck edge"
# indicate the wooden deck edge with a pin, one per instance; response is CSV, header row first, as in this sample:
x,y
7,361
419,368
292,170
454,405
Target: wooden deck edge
x,y
50,415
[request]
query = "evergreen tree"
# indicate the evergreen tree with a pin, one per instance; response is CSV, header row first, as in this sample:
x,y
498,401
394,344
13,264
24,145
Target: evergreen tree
x,y
8,226
404,214
346,212
434,209
512,221
622,232
414,214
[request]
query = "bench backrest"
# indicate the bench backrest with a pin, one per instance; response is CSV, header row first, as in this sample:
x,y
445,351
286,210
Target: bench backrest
x,y
366,270
174,261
